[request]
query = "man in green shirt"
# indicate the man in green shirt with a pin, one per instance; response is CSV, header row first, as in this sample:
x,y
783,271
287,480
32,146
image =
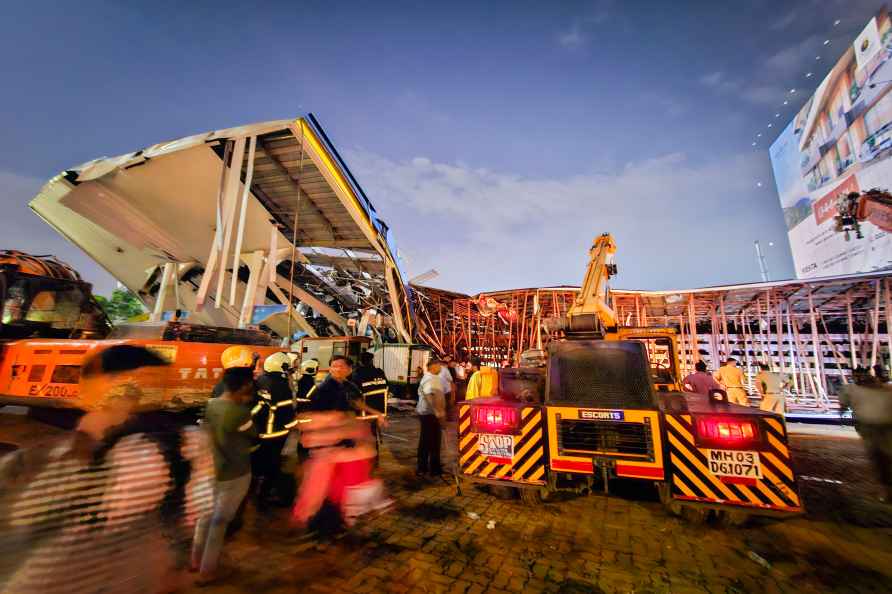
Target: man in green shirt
x,y
231,432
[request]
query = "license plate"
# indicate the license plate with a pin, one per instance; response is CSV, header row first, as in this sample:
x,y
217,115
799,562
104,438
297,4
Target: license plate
x,y
735,463
496,446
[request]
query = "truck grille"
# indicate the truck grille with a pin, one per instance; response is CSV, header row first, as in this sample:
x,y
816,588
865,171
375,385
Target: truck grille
x,y
604,437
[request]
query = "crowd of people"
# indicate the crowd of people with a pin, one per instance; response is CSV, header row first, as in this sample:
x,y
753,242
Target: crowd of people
x,y
730,379
99,493
868,397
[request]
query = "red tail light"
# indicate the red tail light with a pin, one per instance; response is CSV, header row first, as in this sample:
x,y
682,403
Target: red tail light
x,y
727,432
494,419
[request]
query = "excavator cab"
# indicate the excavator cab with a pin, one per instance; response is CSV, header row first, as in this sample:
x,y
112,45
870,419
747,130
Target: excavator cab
x,y
41,297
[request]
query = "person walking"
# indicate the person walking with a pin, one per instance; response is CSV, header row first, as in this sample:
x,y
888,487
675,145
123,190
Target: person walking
x,y
770,385
431,411
870,398
102,507
274,417
732,380
341,453
701,381
445,374
232,434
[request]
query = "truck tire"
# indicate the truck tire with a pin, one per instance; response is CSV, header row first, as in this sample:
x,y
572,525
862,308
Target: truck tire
x,y
673,506
732,517
694,514
501,492
533,495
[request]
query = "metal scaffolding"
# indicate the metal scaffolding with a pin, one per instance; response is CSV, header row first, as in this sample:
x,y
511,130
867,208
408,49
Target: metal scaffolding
x,y
814,331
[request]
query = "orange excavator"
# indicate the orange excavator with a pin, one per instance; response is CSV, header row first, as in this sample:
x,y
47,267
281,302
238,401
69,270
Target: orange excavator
x,y
50,322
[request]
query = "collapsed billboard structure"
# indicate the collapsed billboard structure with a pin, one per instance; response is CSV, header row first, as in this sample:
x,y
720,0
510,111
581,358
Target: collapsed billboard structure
x,y
259,224
815,331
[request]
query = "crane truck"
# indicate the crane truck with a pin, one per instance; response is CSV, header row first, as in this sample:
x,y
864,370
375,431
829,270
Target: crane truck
x,y
608,404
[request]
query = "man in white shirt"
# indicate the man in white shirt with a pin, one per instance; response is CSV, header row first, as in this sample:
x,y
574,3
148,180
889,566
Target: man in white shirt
x,y
431,411
448,382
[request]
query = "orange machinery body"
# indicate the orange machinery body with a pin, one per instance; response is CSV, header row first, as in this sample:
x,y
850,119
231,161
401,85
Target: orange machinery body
x,y
46,372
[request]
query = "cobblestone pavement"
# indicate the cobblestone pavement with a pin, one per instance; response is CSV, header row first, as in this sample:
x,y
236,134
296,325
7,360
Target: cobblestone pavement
x,y
438,541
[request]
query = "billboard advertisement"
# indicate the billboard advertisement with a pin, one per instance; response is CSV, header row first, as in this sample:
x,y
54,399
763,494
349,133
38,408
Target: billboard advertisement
x,y
831,157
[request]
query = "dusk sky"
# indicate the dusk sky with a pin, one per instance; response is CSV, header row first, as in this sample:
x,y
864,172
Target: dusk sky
x,y
496,139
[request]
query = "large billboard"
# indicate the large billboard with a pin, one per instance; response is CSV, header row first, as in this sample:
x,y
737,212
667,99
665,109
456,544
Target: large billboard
x,y
840,144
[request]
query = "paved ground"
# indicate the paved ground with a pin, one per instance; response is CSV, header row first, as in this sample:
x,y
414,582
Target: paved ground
x,y
438,541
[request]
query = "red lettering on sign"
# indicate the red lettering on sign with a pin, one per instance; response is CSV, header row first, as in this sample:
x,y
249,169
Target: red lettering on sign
x,y
825,207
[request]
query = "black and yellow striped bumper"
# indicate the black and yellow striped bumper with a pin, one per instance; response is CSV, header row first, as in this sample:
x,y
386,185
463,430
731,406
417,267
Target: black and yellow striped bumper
x,y
526,466
692,480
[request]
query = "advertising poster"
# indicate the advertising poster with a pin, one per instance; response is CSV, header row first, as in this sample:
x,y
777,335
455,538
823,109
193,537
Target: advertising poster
x,y
837,148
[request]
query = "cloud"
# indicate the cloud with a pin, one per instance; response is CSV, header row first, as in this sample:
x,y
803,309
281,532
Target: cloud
x,y
579,33
572,39
785,21
23,230
486,230
598,11
765,94
718,82
758,94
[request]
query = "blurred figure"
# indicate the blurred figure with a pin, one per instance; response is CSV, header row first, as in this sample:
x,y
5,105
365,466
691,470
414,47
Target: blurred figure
x,y
732,380
341,452
484,382
431,411
870,399
232,433
107,506
274,417
770,385
701,381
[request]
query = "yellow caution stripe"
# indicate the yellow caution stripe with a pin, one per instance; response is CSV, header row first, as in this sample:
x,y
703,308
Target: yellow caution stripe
x,y
691,477
528,462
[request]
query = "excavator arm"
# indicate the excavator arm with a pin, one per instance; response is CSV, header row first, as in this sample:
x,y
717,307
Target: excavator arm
x,y
592,299
590,313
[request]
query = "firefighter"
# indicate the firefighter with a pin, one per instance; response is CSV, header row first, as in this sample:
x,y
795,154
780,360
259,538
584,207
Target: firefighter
x,y
274,417
731,377
307,381
371,381
484,383
372,384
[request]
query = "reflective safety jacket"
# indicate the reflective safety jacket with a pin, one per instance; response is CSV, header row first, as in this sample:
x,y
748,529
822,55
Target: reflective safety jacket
x,y
273,413
372,383
483,384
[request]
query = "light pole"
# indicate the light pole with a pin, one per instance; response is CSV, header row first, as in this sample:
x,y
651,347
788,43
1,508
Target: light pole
x,y
763,267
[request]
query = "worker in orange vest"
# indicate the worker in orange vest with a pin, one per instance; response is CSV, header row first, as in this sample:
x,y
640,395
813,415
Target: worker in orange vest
x,y
483,383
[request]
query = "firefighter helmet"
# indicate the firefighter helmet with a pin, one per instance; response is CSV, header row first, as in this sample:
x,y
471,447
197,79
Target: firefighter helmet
x,y
237,356
309,367
277,363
